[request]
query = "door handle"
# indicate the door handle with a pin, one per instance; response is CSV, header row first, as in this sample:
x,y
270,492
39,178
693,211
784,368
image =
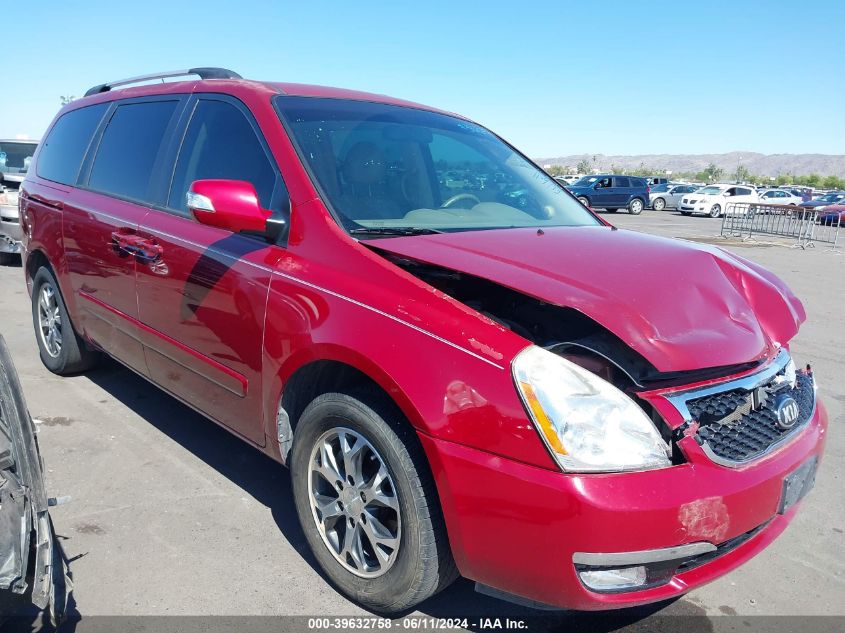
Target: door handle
x,y
137,246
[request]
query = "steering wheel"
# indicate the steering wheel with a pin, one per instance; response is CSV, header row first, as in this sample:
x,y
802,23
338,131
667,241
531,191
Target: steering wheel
x,y
458,198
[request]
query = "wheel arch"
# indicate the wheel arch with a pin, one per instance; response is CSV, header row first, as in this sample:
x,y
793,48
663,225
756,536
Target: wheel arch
x,y
329,368
34,260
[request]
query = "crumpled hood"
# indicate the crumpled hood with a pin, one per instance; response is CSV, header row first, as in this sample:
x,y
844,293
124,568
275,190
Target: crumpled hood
x,y
681,305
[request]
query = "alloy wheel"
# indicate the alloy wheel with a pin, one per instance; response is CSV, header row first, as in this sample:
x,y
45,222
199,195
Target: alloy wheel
x,y
49,320
354,502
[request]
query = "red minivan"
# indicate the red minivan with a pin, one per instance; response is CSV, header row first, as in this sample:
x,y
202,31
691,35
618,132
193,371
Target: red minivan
x,y
466,370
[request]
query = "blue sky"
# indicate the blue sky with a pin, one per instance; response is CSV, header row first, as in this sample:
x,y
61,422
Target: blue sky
x,y
554,78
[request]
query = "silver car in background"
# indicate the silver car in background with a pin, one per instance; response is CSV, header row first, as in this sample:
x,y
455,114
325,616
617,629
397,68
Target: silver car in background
x,y
15,156
668,196
779,196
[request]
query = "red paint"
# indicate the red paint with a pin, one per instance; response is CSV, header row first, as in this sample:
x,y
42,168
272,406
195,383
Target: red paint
x,y
664,305
137,326
223,321
235,206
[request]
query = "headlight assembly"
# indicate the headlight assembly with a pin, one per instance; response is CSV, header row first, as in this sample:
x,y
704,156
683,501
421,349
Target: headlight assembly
x,y
588,424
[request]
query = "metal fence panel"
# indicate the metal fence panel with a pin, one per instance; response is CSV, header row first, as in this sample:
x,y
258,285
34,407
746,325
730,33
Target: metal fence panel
x,y
743,220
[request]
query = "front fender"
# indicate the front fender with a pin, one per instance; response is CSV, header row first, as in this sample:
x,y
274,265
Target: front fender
x,y
446,390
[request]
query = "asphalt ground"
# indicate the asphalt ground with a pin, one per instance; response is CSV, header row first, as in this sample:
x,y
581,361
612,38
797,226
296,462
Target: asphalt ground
x,y
171,515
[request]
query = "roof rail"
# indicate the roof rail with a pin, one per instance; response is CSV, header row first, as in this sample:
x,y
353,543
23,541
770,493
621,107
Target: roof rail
x,y
203,73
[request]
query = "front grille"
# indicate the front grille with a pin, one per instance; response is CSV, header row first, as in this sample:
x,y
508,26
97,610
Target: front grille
x,y
739,425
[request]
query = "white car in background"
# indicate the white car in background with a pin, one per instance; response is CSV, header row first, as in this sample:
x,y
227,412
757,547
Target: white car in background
x,y
568,179
718,200
779,196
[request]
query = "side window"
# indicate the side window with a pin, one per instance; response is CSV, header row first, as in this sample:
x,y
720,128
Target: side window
x,y
129,147
621,182
604,183
61,153
220,143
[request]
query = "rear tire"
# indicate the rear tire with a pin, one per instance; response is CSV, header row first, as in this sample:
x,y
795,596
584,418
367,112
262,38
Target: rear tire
x,y
370,426
659,204
62,351
635,206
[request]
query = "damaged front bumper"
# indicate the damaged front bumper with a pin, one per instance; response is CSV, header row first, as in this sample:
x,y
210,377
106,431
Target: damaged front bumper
x,y
605,541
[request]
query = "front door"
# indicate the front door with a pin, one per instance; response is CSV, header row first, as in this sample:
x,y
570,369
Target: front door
x,y
602,195
101,220
203,299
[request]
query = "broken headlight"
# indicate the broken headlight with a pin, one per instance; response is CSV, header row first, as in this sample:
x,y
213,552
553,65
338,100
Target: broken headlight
x,y
588,424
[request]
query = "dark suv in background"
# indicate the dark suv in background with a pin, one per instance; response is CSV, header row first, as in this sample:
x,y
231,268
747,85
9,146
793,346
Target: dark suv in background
x,y
612,192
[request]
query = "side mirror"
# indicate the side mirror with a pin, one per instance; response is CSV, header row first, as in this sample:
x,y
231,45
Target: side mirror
x,y
227,204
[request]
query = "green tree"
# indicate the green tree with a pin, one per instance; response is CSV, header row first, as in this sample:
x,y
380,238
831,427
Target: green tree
x,y
584,167
67,99
742,173
784,179
812,180
713,172
833,182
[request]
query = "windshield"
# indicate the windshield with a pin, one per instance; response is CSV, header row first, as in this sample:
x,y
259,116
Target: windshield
x,y
830,197
384,166
710,190
15,157
659,188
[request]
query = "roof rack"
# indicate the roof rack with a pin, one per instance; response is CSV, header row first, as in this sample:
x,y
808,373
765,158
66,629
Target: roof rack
x,y
203,73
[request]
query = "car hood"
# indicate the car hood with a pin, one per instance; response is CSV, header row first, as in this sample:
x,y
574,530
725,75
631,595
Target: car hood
x,y
682,306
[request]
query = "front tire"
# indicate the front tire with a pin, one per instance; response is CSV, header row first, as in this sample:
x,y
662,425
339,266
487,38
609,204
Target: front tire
x,y
367,502
715,211
62,351
659,204
584,201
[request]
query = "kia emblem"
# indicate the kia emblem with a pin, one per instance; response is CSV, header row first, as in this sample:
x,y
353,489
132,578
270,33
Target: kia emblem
x,y
786,410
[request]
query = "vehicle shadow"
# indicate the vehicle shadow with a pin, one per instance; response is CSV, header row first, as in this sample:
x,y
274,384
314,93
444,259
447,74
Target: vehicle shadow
x,y
269,484
258,475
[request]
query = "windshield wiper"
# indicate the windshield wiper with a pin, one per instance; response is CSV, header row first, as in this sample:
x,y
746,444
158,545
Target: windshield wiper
x,y
393,230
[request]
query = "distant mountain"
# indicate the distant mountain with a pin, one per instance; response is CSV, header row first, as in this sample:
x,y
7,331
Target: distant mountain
x,y
760,164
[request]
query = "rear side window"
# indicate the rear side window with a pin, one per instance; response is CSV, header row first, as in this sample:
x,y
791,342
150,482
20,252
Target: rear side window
x,y
221,143
129,147
621,182
62,151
